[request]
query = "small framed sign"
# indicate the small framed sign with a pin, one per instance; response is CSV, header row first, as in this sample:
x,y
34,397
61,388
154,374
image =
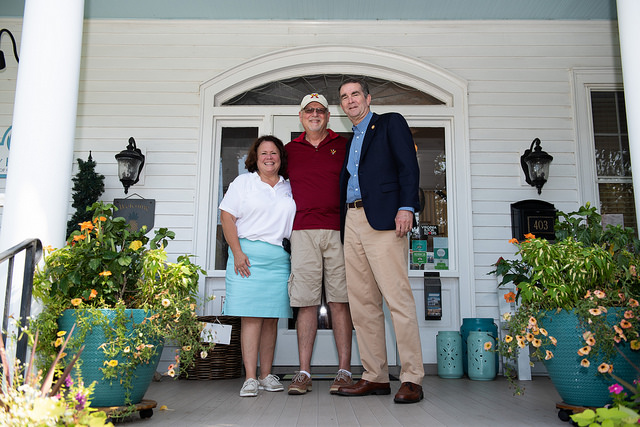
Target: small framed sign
x,y
137,212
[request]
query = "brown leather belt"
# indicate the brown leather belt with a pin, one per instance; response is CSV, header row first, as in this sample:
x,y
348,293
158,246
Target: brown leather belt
x,y
357,204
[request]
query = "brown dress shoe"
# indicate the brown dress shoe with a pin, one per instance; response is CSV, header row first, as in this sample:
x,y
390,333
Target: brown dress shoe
x,y
409,393
364,388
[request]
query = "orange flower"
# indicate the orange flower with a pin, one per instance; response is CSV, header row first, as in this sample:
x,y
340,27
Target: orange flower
x,y
533,321
633,302
529,336
591,341
76,302
553,340
584,350
595,311
628,314
514,240
585,363
85,226
79,237
93,294
101,218
536,343
529,236
604,368
599,294
510,297
508,339
549,355
588,295
105,273
488,345
625,323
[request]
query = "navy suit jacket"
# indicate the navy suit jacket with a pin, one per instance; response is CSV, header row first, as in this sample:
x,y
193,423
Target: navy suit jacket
x,y
388,172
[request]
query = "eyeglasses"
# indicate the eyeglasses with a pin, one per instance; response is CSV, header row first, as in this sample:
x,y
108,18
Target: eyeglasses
x,y
317,110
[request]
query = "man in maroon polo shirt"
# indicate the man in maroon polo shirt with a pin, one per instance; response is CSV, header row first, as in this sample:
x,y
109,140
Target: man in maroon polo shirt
x,y
315,161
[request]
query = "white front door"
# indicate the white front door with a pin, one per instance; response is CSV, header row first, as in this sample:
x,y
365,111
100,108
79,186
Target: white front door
x,y
324,352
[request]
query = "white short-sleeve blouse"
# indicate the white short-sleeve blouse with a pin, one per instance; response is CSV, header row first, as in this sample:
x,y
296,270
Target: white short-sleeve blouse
x,y
262,212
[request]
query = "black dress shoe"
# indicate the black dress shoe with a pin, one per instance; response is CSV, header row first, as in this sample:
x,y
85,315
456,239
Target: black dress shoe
x,y
364,388
409,393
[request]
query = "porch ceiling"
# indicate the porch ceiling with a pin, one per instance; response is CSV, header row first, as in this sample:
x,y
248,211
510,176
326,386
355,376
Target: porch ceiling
x,y
339,9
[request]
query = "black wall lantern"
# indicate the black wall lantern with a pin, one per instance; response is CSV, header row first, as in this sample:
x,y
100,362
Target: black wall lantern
x,y
130,163
535,164
3,63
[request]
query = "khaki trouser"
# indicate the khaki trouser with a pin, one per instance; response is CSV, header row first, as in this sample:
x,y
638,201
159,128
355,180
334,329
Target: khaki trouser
x,y
376,268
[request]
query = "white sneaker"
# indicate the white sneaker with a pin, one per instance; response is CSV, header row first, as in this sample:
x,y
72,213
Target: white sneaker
x,y
249,388
270,383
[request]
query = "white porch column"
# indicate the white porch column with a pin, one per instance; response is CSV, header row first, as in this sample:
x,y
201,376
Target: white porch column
x,y
629,33
44,121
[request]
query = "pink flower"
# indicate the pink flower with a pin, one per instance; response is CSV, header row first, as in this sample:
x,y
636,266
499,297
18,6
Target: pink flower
x,y
615,389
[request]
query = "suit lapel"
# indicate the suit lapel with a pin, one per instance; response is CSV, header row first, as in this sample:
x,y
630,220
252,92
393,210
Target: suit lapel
x,y
368,136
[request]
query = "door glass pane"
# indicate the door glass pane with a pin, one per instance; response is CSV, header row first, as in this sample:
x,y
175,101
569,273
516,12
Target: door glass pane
x,y
429,241
233,152
613,164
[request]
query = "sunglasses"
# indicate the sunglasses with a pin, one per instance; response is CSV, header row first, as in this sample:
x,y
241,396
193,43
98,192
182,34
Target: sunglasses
x,y
317,110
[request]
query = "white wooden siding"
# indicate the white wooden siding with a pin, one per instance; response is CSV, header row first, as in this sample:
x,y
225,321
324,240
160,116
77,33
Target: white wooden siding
x,y
141,78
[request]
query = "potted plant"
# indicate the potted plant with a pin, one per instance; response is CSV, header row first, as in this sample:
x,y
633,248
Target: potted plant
x,y
577,305
126,301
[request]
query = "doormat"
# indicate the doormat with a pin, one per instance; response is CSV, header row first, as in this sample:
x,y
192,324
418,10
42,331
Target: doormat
x,y
328,377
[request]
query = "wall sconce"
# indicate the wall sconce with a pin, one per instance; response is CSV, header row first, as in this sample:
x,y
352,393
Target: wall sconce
x,y
130,163
535,164
3,63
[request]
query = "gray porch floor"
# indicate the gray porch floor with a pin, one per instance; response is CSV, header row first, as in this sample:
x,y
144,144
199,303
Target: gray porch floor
x,y
448,402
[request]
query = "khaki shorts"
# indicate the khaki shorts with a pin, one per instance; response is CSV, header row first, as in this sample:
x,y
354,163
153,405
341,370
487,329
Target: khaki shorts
x,y
315,253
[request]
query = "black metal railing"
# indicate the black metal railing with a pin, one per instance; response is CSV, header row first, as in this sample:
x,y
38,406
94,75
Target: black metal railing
x,y
32,252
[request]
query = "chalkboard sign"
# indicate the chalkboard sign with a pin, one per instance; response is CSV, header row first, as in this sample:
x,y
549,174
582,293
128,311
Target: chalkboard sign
x,y
137,212
533,216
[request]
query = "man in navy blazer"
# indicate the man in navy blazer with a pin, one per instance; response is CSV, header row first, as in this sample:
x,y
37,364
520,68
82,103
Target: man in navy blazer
x,y
379,194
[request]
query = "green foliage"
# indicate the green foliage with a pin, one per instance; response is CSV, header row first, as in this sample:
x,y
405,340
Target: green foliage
x,y
88,186
607,417
106,265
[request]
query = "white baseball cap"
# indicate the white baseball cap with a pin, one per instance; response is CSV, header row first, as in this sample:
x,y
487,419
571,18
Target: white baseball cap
x,y
314,97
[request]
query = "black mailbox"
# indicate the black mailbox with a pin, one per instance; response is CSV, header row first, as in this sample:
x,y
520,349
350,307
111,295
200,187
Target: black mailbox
x,y
533,216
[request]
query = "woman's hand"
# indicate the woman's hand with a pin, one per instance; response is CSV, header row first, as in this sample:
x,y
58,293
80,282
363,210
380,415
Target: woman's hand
x,y
241,264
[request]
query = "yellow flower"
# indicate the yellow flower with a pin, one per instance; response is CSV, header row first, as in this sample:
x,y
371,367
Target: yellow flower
x,y
548,356
625,323
76,302
127,349
521,343
585,363
58,342
553,340
166,302
105,273
595,311
61,333
529,336
508,339
633,302
635,345
599,294
533,320
544,332
488,345
536,342
171,373
591,341
628,314
135,245
113,363
506,316
587,335
187,348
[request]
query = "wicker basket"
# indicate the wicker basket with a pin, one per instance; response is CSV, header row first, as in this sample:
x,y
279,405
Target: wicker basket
x,y
225,361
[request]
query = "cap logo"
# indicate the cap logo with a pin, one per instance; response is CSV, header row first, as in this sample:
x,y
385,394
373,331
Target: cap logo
x,y
314,95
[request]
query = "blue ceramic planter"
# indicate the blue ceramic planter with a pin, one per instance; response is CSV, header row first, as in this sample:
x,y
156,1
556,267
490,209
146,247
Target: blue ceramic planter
x,y
577,385
106,392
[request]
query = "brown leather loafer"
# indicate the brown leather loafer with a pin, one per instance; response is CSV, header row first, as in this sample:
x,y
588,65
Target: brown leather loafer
x,y
409,393
364,388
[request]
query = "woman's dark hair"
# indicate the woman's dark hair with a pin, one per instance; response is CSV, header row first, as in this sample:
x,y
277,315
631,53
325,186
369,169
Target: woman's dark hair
x,y
361,81
252,159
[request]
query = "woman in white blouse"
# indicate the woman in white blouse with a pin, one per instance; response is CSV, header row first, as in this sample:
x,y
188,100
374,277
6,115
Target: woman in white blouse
x,y
257,214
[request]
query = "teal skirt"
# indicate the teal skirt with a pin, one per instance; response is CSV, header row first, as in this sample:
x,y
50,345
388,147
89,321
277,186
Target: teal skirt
x,y
265,292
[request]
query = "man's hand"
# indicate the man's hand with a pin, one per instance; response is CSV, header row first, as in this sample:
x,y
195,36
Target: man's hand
x,y
404,222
